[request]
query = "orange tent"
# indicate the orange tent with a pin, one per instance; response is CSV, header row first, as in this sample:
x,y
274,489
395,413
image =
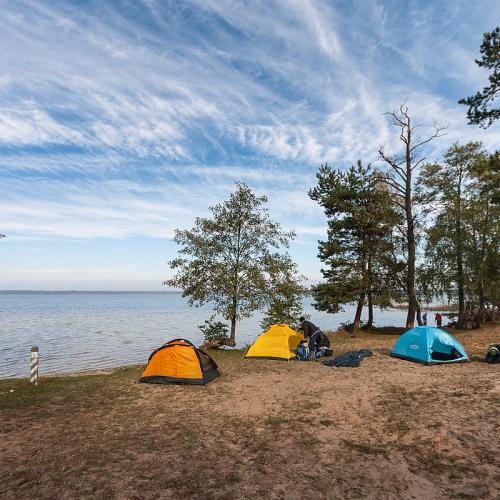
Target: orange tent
x,y
179,362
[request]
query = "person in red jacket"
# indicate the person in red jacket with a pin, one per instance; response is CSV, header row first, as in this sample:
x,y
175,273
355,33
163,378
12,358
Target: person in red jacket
x,y
438,319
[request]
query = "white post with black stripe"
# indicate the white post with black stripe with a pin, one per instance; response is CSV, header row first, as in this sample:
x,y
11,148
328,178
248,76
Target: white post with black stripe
x,y
34,365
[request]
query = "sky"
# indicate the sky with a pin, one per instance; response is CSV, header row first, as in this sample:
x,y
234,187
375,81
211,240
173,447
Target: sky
x,y
123,120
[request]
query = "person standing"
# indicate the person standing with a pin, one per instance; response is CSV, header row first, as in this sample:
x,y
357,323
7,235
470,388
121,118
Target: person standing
x,y
439,319
424,318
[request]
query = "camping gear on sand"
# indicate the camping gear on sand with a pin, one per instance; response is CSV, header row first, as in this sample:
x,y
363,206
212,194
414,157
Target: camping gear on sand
x,y
179,362
304,354
493,354
278,342
321,352
429,345
303,351
351,359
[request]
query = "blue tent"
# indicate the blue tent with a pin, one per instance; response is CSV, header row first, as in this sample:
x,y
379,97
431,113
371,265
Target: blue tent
x,y
429,345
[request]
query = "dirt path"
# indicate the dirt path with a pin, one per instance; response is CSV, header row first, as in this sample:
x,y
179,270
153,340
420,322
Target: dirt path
x,y
265,429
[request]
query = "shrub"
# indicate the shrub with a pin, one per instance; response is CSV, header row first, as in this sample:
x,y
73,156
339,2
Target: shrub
x,y
347,326
213,330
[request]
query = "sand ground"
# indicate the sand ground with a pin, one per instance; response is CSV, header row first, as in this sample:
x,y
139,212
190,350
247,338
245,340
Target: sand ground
x,y
265,429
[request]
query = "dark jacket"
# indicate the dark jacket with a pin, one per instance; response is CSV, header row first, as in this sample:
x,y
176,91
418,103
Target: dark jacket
x,y
323,340
308,328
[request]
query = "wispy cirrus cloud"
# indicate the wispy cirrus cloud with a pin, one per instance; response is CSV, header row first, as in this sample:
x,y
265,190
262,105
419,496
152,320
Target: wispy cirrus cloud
x,y
121,120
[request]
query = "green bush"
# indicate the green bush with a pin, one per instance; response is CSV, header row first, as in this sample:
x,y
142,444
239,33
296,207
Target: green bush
x,y
347,326
213,330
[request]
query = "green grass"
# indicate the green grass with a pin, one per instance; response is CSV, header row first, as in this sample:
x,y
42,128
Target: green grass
x,y
225,356
272,420
19,393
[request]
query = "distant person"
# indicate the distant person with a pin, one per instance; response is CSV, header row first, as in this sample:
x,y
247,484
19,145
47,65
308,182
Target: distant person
x,y
424,318
439,319
489,313
317,339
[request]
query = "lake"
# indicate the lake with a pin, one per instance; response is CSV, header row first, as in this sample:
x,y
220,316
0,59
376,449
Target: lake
x,y
89,330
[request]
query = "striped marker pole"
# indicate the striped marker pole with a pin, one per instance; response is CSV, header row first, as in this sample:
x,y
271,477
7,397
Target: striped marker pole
x,y
34,365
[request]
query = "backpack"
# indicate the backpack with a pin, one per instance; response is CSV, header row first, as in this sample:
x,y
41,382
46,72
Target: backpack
x,y
493,354
303,352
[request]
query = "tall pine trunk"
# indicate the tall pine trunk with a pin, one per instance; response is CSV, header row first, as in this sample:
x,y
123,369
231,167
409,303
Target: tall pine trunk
x,y
482,261
370,310
357,316
370,292
234,304
459,258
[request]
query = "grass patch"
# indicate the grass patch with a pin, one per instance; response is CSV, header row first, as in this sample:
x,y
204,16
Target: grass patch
x,y
226,356
365,448
19,393
272,420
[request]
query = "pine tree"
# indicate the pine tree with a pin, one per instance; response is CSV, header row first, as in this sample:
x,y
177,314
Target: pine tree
x,y
480,110
447,189
482,229
358,252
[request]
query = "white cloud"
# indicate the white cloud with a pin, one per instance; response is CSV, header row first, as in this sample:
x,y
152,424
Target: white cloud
x,y
130,119
28,124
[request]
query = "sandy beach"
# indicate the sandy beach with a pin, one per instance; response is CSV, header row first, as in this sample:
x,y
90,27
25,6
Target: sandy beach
x,y
265,429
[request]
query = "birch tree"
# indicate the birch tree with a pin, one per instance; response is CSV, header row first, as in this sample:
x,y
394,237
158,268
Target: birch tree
x,y
229,259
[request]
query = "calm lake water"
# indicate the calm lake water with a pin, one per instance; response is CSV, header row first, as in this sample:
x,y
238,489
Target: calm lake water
x,y
79,331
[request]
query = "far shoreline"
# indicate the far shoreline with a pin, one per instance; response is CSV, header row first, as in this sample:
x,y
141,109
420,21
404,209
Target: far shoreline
x,y
21,292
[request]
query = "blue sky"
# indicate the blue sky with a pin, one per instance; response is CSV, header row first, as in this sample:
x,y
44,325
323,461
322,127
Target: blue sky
x,y
121,121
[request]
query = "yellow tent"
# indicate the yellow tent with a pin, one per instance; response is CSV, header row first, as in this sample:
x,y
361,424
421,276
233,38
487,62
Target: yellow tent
x,y
276,343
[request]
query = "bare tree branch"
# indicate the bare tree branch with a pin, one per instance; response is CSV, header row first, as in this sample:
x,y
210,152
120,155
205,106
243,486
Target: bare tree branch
x,y
393,164
394,185
400,205
438,132
401,230
404,169
418,163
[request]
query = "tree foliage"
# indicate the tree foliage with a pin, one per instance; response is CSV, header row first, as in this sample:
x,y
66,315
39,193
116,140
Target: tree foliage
x,y
481,110
231,258
357,254
462,235
482,228
214,330
285,303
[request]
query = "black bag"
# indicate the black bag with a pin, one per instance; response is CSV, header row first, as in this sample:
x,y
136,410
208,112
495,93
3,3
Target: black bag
x,y
493,354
